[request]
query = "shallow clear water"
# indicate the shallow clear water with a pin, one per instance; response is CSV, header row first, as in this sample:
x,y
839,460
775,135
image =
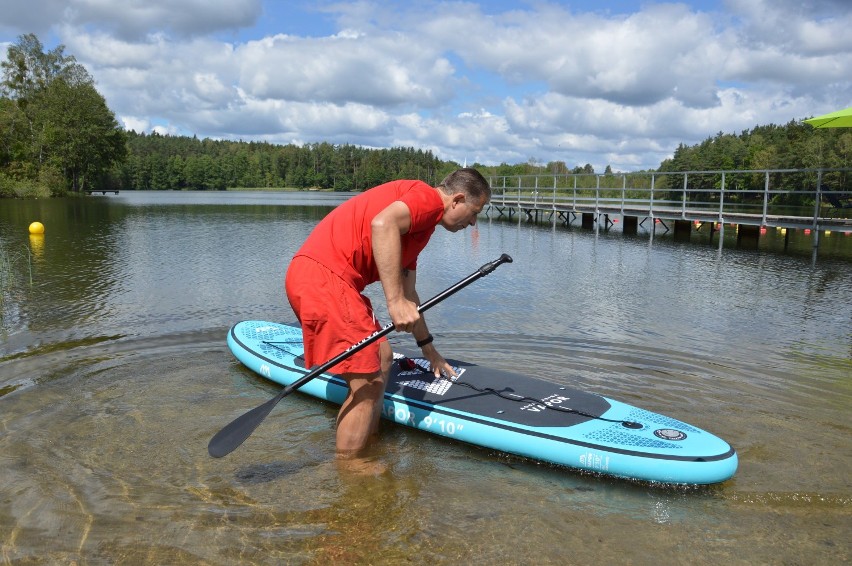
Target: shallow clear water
x,y
114,375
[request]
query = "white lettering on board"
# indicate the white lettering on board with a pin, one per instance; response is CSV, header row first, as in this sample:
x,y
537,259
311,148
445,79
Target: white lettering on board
x,y
403,415
594,461
548,401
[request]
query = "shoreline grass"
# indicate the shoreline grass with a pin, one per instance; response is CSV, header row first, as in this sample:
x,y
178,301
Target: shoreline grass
x,y
8,266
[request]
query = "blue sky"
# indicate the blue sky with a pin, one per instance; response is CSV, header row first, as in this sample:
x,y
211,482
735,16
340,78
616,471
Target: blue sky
x,y
606,83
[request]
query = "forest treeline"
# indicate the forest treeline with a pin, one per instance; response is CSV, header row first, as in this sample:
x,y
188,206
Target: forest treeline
x,y
57,135
179,162
157,161
795,145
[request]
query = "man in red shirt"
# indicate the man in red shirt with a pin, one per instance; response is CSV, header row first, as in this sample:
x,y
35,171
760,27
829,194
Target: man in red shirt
x,y
375,236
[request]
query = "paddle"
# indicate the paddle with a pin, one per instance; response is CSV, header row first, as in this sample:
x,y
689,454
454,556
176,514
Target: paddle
x,y
229,438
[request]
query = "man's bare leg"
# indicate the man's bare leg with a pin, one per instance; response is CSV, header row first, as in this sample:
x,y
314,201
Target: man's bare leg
x,y
359,415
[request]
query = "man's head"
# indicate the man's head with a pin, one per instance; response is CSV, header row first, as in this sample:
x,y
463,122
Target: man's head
x,y
466,192
470,183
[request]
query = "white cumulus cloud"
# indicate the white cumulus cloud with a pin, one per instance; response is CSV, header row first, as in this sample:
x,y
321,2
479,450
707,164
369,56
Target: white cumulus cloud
x,y
470,81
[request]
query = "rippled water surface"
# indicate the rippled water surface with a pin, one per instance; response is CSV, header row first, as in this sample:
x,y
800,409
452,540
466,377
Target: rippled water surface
x,y
114,374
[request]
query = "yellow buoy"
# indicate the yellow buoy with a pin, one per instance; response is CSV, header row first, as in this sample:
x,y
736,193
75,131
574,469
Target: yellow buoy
x,y
36,228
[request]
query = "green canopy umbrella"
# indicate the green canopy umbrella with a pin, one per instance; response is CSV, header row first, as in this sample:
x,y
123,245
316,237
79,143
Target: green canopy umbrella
x,y
839,119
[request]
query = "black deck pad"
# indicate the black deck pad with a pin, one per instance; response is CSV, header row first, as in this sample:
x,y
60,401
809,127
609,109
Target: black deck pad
x,y
532,401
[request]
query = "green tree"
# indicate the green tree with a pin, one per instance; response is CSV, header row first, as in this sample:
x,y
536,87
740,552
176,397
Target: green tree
x,y
56,119
28,70
78,134
13,142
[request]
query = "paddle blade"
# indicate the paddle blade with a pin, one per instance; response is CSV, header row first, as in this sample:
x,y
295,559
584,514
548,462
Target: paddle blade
x,y
237,431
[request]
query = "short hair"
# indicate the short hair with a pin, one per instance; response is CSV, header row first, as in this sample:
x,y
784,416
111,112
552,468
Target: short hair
x,y
469,182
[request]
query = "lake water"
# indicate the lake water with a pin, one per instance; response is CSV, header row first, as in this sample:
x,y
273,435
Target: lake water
x,y
114,374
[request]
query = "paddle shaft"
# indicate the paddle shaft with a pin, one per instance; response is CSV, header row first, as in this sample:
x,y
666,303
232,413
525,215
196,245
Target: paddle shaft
x,y
237,431
481,272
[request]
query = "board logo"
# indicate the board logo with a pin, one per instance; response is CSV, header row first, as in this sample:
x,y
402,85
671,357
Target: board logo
x,y
594,461
669,434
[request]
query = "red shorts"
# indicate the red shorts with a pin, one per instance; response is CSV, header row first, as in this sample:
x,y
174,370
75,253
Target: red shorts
x,y
334,316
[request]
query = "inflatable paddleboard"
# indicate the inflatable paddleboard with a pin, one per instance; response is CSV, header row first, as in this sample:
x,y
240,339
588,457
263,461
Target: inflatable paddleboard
x,y
509,412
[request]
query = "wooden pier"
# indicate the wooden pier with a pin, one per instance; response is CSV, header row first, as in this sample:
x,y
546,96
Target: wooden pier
x,y
792,199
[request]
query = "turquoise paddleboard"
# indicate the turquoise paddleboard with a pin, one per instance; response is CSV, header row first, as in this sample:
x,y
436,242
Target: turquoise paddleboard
x,y
509,412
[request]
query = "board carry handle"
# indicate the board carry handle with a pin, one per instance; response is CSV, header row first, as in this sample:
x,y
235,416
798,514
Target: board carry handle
x,y
237,431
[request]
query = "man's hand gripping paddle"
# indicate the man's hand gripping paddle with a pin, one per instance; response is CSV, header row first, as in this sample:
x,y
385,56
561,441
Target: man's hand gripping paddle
x,y
229,438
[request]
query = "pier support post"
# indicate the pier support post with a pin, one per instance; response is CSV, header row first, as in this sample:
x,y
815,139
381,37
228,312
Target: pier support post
x,y
630,225
748,236
682,230
588,220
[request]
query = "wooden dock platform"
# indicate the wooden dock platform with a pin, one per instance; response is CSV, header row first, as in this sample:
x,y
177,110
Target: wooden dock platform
x,y
564,198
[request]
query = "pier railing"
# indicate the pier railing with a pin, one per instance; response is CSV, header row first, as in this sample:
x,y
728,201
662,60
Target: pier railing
x,y
792,198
